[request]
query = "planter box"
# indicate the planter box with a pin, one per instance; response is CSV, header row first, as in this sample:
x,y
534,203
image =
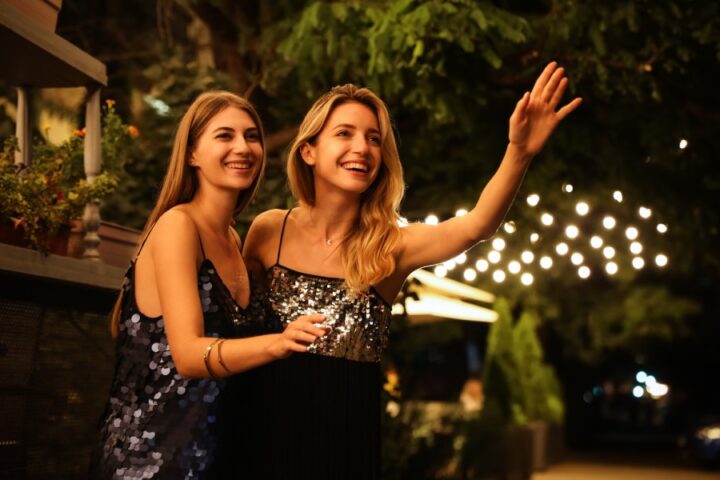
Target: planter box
x,y
540,445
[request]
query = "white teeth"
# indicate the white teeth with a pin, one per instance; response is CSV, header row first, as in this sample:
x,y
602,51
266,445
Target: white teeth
x,y
355,166
238,165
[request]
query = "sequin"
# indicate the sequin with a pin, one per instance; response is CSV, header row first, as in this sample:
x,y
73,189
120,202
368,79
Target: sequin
x,y
358,325
158,424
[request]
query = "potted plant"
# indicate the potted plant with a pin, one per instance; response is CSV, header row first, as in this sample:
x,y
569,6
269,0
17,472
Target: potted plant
x,y
38,204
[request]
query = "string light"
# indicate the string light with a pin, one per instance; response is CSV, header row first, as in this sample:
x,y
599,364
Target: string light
x,y
661,260
546,262
534,237
470,274
571,231
510,227
527,279
482,265
636,248
611,268
498,244
432,219
547,219
662,228
567,188
608,222
449,265
533,199
638,263
631,233
644,212
461,212
494,256
584,272
460,259
577,258
527,256
514,267
499,276
608,252
596,242
562,248
683,144
618,196
582,208
440,271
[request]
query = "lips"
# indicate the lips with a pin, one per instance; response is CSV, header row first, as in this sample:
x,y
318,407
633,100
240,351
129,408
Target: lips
x,y
360,167
240,165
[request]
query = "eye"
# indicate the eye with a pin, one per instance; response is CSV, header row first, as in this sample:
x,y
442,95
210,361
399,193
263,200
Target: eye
x,y
252,136
224,136
375,139
342,133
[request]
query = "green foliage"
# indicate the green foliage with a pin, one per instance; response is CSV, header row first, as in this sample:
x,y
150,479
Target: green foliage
x,y
54,190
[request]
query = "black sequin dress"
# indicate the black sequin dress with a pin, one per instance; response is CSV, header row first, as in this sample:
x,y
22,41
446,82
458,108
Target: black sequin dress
x,y
321,410
158,424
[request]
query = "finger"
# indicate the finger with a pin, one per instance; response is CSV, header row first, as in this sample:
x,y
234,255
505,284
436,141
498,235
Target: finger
x,y
314,318
568,109
552,84
542,80
303,337
519,112
559,92
296,347
317,331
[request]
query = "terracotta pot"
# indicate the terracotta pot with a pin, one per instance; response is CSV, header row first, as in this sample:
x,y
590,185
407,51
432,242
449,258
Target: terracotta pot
x,y
56,243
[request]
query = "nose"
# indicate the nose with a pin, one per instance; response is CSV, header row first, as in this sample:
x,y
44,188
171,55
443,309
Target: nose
x,y
360,145
240,145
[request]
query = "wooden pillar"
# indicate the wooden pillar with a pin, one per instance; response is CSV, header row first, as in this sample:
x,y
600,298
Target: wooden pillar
x,y
22,129
93,166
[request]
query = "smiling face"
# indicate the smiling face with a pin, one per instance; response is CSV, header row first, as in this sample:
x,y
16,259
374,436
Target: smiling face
x,y
347,153
229,152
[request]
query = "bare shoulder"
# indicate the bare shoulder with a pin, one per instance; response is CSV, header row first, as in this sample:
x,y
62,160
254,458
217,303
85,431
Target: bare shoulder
x,y
174,231
263,236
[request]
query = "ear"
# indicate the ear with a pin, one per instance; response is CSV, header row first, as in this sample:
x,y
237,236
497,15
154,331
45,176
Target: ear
x,y
307,151
192,160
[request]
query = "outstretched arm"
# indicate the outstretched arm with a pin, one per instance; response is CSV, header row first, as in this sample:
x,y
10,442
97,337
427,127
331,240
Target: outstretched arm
x,y
532,123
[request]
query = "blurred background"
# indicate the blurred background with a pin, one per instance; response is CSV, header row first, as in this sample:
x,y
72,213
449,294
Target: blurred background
x,y
581,342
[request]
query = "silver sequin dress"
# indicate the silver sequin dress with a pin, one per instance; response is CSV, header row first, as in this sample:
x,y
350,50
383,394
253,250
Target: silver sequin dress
x,y
319,412
156,423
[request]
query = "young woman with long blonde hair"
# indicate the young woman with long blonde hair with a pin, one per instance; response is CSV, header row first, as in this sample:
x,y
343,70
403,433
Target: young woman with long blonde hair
x,y
341,253
183,296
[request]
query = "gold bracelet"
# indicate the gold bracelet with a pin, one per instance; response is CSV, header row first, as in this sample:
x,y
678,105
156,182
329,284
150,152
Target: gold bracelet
x,y
220,358
206,358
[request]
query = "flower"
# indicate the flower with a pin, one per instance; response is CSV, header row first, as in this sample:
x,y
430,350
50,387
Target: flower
x,y
133,131
79,133
110,102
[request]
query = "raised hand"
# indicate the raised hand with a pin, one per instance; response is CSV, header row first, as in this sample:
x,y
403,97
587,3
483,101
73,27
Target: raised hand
x,y
298,335
535,116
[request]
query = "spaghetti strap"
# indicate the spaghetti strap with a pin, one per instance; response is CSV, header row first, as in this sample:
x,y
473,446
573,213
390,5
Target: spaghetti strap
x,y
142,244
202,249
282,233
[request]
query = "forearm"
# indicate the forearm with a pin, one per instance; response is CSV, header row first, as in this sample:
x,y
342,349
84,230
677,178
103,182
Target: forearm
x,y
499,193
238,355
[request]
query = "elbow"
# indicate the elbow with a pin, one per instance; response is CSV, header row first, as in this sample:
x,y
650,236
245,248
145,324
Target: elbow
x,y
187,370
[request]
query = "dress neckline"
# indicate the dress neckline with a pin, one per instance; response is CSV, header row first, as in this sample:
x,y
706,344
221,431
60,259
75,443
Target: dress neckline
x,y
373,290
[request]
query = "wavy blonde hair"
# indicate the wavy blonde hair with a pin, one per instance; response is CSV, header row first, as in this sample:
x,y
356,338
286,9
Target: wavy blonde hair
x,y
367,252
181,181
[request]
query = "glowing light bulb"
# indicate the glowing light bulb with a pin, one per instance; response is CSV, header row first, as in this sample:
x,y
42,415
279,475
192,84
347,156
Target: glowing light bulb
x,y
609,222
402,222
638,263
527,256
631,233
596,242
440,271
432,220
547,219
567,188
533,199
683,144
482,265
636,248
494,256
608,252
510,227
644,212
449,265
571,231
582,208
461,212
611,268
534,237
577,258
618,196
661,260
527,279
583,272
514,267
498,244
546,262
460,259
470,274
662,228
562,248
638,391
499,276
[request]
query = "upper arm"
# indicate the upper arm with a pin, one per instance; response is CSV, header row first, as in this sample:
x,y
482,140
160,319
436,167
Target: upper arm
x,y
261,241
422,245
174,254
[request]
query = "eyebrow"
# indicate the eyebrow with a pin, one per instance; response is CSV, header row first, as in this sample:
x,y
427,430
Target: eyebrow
x,y
230,129
347,125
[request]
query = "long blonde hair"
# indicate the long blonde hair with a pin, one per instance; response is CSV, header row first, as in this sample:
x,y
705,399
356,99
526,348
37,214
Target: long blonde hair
x,y
181,181
367,252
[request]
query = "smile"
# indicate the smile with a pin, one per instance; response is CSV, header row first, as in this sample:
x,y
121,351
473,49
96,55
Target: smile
x,y
239,165
356,167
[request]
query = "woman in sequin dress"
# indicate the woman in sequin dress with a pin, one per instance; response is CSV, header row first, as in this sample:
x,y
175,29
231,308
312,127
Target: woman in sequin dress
x,y
186,291
340,252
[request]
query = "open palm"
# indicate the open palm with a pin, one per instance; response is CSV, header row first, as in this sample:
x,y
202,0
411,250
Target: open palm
x,y
535,116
